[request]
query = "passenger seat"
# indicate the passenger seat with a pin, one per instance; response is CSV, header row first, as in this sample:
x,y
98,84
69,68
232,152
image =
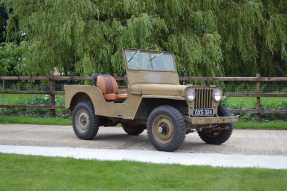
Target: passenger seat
x,y
109,87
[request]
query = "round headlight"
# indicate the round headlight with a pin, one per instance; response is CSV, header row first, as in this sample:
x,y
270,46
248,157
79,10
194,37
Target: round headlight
x,y
190,94
217,95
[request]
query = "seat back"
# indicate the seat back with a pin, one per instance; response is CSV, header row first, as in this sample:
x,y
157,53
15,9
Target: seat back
x,y
107,84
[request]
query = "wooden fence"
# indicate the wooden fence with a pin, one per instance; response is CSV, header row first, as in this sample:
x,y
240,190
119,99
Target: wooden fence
x,y
52,80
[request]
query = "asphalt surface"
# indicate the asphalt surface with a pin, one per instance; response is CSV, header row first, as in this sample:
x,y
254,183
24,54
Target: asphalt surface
x,y
243,142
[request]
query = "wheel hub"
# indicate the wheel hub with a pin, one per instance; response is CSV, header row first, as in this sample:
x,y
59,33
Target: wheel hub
x,y
83,120
163,129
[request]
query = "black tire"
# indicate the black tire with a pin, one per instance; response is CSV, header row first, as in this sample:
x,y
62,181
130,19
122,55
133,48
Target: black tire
x,y
218,134
88,129
172,128
133,129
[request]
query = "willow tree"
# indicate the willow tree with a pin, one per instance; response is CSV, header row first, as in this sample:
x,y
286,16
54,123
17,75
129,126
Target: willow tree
x,y
254,35
208,37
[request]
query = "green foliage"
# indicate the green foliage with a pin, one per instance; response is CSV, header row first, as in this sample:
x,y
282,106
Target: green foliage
x,y
10,58
208,37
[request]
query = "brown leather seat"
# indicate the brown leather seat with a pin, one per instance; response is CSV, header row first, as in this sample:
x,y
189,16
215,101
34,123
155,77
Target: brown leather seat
x,y
109,87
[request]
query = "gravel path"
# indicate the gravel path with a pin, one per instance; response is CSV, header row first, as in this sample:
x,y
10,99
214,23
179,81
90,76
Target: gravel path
x,y
246,148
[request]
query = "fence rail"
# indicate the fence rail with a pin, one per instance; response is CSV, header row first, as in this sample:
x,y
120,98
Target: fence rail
x,y
52,81
258,78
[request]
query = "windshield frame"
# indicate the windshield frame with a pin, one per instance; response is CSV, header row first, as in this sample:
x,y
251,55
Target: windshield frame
x,y
149,52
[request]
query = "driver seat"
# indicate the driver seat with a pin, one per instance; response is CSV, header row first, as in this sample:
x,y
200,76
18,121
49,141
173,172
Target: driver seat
x,y
109,87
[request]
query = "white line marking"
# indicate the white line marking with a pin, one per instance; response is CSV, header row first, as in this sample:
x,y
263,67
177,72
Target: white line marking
x,y
209,159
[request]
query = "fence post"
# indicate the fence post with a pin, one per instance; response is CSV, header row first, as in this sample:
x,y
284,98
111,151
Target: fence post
x,y
3,84
52,94
258,98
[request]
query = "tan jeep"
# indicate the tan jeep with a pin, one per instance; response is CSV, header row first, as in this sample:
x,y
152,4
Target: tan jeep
x,y
154,100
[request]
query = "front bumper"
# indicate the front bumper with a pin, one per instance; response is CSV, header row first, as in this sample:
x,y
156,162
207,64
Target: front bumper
x,y
212,120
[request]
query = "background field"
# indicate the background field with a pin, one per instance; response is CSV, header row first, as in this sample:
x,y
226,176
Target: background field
x,y
231,102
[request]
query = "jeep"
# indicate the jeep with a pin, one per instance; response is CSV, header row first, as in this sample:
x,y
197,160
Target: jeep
x,y
154,100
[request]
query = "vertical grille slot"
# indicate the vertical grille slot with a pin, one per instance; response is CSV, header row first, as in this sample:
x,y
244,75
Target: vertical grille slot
x,y
203,98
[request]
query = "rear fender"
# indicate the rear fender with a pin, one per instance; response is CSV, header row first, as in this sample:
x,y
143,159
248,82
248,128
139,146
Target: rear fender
x,y
76,93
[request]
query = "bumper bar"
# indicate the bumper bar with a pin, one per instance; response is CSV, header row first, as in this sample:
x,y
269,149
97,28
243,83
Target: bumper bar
x,y
212,120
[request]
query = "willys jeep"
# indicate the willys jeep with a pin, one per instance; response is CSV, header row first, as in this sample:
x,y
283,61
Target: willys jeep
x,y
154,100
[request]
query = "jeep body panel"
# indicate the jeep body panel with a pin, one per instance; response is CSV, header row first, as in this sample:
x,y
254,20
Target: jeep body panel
x,y
128,109
124,110
158,90
198,121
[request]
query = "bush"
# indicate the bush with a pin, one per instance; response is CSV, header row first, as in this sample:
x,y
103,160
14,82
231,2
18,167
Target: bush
x,y
10,58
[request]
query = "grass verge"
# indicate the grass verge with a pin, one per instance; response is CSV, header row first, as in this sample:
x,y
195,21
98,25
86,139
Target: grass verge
x,y
41,173
275,124
250,102
34,120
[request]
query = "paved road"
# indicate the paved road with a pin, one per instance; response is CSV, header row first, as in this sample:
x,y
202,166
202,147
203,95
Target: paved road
x,y
253,142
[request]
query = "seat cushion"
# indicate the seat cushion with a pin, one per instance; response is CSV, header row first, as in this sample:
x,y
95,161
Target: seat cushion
x,y
122,96
110,97
109,87
107,84
115,97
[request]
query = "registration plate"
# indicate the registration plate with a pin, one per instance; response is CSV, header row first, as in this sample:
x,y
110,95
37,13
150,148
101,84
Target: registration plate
x,y
203,112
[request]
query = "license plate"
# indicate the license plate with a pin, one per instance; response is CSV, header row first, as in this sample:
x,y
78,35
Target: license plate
x,y
203,112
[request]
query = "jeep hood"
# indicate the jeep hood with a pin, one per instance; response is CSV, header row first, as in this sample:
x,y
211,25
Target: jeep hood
x,y
158,89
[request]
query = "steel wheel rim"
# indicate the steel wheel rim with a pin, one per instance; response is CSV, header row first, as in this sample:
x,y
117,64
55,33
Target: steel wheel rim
x,y
163,129
82,120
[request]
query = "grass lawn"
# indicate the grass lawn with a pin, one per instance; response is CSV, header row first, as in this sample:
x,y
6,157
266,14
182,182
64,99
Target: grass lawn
x,y
274,124
250,102
19,98
39,173
28,99
34,120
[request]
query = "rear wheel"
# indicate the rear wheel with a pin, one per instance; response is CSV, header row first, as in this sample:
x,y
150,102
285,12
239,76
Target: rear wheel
x,y
85,122
166,128
133,129
218,134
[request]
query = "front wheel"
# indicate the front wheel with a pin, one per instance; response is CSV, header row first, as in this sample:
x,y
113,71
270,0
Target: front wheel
x,y
218,134
85,122
166,128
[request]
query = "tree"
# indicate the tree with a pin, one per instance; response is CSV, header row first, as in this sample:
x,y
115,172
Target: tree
x,y
208,37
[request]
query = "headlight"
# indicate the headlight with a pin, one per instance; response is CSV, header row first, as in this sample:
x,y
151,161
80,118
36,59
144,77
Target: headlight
x,y
190,94
217,95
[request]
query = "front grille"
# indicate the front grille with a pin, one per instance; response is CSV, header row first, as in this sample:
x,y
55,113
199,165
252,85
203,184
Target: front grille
x,y
203,98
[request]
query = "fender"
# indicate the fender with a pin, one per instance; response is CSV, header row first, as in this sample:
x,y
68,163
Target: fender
x,y
124,110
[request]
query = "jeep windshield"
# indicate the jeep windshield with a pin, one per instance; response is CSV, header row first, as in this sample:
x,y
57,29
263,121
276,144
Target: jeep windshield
x,y
140,60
